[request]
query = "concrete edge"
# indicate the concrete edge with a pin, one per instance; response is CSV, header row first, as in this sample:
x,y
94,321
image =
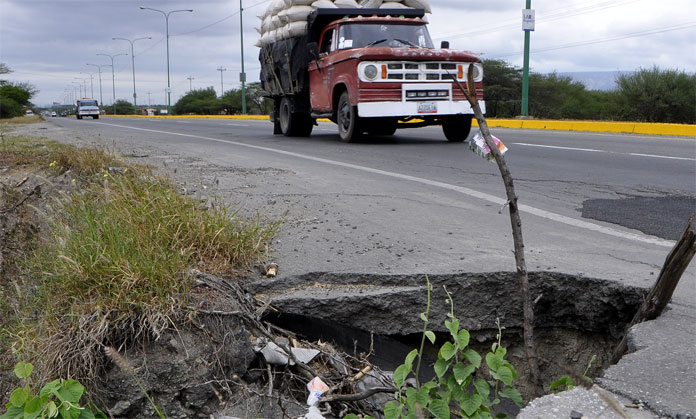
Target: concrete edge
x,y
680,130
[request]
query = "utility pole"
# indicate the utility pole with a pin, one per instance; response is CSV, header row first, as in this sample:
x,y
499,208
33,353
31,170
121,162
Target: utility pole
x,y
222,86
242,76
190,78
99,66
527,27
91,82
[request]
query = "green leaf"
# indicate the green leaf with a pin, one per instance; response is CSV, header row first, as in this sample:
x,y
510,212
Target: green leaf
x,y
351,416
411,395
453,327
493,361
462,372
431,336
473,357
392,410
19,397
562,384
71,391
410,357
86,414
13,412
50,388
439,409
423,317
447,351
462,338
512,368
400,374
23,370
482,387
33,408
512,394
470,403
429,385
505,375
441,367
52,409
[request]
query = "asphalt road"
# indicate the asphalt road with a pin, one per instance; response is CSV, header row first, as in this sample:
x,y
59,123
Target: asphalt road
x,y
414,203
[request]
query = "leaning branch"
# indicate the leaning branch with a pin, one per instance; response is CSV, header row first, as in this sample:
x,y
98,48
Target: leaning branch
x,y
515,220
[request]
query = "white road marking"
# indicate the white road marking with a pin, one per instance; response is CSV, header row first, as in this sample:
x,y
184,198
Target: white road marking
x,y
661,157
592,150
460,189
238,125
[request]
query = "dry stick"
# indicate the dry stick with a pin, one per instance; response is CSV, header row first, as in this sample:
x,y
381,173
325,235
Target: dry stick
x,y
657,299
530,348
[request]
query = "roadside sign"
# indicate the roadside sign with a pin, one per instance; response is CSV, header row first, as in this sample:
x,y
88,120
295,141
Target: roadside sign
x,y
528,17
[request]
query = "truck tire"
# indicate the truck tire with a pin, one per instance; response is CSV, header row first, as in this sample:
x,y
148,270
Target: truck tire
x,y
79,117
456,127
381,127
294,124
95,117
347,120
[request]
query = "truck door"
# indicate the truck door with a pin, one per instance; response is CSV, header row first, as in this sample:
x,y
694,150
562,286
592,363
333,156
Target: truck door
x,y
321,73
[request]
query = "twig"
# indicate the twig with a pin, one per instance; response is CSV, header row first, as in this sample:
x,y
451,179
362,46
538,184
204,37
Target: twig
x,y
358,396
516,222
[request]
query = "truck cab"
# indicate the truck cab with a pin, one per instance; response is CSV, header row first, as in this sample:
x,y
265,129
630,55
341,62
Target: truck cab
x,y
87,107
375,71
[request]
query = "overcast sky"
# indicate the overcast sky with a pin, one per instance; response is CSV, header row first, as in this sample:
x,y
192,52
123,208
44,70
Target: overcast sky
x,y
49,43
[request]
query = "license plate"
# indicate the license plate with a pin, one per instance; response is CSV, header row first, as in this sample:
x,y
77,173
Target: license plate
x,y
427,107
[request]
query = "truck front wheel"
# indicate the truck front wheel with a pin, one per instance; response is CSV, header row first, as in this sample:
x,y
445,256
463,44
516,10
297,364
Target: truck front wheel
x,y
456,127
347,119
294,124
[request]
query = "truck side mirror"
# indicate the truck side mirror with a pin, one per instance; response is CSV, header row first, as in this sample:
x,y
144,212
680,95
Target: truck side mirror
x,y
444,45
313,50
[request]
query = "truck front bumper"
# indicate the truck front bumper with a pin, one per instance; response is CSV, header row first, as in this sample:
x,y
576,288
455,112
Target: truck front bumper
x,y
416,108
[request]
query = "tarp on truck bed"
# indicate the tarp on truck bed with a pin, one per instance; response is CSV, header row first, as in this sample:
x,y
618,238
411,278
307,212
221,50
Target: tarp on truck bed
x,y
284,66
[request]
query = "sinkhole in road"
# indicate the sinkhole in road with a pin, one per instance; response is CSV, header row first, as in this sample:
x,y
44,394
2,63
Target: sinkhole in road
x,y
576,318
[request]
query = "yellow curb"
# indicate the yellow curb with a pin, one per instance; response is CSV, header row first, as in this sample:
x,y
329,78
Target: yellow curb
x,y
681,130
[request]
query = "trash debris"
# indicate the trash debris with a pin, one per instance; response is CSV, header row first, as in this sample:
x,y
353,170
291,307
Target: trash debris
x,y
313,413
478,145
272,270
316,388
275,355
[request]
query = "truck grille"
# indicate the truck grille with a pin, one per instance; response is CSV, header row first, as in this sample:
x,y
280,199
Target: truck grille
x,y
421,71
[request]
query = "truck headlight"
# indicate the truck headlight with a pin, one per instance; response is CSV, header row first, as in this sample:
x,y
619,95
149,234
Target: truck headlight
x,y
370,71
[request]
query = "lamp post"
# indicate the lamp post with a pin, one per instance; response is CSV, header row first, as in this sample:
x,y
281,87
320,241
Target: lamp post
x,y
113,83
99,66
527,27
84,81
91,82
132,41
166,19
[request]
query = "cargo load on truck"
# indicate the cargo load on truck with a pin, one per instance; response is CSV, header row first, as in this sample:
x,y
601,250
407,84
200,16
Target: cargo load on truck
x,y
370,70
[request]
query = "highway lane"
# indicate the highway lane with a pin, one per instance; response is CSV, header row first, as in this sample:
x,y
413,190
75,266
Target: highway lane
x,y
415,203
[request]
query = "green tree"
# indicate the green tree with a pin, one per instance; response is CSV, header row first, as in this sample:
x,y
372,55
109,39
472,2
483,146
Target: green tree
x,y
502,89
198,102
13,99
123,107
654,95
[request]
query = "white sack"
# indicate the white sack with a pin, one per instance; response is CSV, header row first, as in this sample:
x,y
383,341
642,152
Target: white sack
x,y
392,5
276,6
266,25
295,14
346,4
419,4
324,4
296,29
275,22
301,2
371,4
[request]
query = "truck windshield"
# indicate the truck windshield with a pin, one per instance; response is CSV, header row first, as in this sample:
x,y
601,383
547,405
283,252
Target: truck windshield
x,y
360,35
87,103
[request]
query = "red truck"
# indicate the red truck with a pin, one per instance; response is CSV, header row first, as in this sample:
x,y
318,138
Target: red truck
x,y
370,71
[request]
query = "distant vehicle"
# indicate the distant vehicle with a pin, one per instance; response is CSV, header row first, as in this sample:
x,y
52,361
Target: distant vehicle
x,y
87,107
53,114
28,112
63,114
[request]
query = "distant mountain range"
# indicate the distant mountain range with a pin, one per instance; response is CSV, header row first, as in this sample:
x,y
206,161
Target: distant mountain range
x,y
596,80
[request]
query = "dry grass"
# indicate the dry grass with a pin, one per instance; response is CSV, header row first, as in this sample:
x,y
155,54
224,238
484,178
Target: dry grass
x,y
113,269
19,120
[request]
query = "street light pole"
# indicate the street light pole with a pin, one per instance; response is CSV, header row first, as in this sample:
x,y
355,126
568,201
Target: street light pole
x,y
91,82
243,75
527,27
222,86
166,20
135,106
113,83
99,66
84,80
